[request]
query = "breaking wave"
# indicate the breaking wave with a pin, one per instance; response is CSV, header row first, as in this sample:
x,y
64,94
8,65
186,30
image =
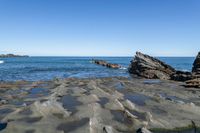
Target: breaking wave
x,y
1,61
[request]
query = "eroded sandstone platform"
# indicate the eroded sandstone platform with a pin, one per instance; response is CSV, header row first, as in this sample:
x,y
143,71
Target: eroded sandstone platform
x,y
102,105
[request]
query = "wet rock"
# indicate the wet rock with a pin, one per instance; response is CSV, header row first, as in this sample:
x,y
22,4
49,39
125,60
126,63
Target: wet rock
x,y
115,66
143,130
107,129
181,76
150,67
196,65
30,131
100,62
195,81
104,63
71,126
3,126
30,119
2,102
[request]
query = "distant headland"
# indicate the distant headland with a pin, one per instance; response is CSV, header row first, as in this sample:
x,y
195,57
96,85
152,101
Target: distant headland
x,y
11,55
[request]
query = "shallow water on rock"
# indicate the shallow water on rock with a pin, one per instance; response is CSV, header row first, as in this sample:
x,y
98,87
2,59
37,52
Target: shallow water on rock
x,y
70,102
37,92
138,99
4,112
71,126
119,86
140,115
151,81
3,126
120,117
173,98
103,101
30,119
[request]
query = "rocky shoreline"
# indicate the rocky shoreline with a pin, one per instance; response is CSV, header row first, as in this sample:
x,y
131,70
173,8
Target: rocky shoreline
x,y
152,68
106,64
11,55
104,105
163,100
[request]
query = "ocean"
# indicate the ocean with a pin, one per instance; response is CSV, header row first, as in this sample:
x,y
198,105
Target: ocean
x,y
47,68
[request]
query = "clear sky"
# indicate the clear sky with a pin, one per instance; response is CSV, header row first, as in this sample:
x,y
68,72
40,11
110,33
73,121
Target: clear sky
x,y
100,27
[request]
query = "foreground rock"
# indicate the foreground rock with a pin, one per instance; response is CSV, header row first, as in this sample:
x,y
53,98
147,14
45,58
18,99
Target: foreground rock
x,y
149,67
104,63
100,105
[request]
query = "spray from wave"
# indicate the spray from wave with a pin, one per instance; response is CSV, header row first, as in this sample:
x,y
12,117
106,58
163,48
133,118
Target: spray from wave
x,y
1,61
124,68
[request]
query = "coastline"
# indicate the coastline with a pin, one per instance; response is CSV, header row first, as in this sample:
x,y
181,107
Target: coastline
x,y
99,104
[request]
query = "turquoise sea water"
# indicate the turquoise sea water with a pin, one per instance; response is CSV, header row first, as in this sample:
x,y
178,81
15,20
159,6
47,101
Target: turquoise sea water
x,y
47,68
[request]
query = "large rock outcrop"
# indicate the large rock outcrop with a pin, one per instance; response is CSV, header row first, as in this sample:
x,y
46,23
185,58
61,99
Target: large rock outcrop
x,y
195,81
150,67
196,65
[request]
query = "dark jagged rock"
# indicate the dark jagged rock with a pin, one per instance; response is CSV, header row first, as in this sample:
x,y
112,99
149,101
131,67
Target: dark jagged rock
x,y
104,63
116,66
195,81
100,62
181,76
196,65
150,67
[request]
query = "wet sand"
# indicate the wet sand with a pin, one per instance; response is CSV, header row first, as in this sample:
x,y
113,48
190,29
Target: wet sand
x,y
101,105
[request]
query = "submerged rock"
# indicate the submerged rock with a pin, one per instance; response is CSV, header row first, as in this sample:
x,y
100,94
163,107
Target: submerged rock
x,y
150,67
104,63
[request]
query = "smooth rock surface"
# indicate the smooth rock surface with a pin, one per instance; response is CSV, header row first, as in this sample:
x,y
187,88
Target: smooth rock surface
x,y
99,106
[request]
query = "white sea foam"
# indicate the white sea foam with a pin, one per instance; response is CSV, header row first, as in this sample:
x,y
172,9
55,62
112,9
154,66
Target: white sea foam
x,y
185,70
1,61
124,68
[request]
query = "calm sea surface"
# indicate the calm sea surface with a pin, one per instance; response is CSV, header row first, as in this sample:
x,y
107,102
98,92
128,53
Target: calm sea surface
x,y
47,68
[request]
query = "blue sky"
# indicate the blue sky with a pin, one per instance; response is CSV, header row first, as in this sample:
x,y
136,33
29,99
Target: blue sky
x,y
100,27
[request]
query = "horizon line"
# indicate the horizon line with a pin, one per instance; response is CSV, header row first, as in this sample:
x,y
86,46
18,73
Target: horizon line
x,y
96,56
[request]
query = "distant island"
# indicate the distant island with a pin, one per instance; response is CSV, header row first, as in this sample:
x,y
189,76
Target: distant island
x,y
11,55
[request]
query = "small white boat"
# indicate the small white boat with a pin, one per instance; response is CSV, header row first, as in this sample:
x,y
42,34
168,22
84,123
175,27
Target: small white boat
x,y
1,61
